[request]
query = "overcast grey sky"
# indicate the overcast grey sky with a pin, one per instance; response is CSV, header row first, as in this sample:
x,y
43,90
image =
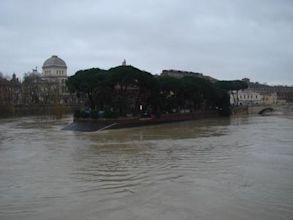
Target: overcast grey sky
x,y
227,39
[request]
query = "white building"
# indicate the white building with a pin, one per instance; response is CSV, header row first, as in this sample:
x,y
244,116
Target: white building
x,y
249,97
55,71
245,97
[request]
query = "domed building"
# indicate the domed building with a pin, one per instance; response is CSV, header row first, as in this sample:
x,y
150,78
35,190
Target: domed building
x,y
48,88
54,67
54,76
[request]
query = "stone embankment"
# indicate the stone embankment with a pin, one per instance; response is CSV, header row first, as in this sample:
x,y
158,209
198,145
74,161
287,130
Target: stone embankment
x,y
257,109
87,125
36,109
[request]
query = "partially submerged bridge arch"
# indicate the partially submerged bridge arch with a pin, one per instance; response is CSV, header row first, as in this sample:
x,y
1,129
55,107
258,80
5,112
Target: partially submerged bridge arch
x,y
269,109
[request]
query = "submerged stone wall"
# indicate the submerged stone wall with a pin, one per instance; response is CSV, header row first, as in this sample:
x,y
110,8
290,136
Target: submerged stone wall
x,y
28,110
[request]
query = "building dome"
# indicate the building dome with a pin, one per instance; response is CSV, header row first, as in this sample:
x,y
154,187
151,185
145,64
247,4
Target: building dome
x,y
54,62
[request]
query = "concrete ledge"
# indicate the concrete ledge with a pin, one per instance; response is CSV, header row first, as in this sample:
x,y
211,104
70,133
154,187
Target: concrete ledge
x,y
86,124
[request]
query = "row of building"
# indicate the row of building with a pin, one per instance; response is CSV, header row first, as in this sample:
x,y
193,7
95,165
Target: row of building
x,y
251,97
49,87
46,88
261,94
255,94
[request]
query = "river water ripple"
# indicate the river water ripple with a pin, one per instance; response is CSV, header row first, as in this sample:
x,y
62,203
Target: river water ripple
x,y
238,168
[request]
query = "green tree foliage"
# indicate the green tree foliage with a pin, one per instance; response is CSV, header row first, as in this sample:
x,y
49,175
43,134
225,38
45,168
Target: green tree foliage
x,y
168,93
191,93
91,82
124,89
132,88
232,85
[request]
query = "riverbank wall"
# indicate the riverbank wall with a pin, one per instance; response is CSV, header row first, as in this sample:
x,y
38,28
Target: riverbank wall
x,y
30,110
253,110
239,110
88,124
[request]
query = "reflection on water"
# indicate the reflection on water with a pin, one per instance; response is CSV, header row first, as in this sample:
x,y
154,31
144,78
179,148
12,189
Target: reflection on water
x,y
239,168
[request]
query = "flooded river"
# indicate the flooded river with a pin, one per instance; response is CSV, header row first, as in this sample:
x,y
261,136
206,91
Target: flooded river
x,y
239,168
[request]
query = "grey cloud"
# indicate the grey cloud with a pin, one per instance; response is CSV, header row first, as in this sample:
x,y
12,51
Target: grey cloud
x,y
228,39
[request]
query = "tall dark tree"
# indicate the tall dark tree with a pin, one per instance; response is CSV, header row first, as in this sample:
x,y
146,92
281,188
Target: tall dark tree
x,y
90,82
232,85
169,88
125,89
132,88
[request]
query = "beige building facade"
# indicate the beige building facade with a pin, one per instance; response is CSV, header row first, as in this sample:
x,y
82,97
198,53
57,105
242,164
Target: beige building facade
x,y
249,97
55,72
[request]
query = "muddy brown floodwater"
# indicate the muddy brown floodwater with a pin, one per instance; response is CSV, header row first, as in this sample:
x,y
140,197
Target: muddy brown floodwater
x,y
238,168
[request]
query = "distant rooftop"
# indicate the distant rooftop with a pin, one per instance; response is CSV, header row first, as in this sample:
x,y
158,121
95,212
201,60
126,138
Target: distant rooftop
x,y
181,74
